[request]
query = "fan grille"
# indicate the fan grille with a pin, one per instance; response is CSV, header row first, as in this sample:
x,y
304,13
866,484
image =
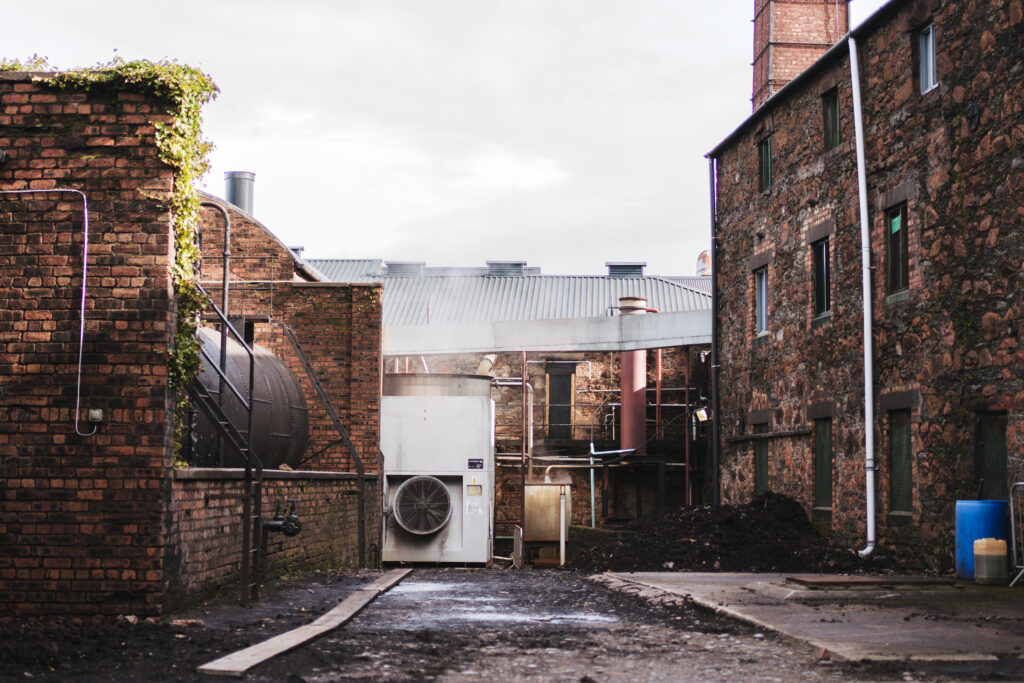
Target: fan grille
x,y
423,505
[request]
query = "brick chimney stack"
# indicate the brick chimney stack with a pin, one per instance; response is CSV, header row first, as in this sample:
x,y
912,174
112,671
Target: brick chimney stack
x,y
789,36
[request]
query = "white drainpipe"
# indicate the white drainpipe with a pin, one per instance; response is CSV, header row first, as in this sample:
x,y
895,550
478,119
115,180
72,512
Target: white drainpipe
x,y
865,250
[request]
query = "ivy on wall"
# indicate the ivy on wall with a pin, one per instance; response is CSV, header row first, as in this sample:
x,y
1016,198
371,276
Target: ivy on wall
x,y
184,90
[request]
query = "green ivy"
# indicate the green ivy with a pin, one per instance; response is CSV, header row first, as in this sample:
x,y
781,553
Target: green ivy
x,y
184,90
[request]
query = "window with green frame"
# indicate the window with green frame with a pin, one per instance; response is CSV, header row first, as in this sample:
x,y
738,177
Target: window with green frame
x,y
764,153
823,463
901,484
830,116
760,460
897,262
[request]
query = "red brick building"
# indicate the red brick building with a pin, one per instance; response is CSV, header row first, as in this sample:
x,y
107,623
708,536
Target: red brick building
x,y
942,93
95,519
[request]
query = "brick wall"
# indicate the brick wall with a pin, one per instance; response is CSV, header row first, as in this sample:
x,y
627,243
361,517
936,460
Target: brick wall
x,y
81,516
789,36
96,525
948,347
337,325
205,515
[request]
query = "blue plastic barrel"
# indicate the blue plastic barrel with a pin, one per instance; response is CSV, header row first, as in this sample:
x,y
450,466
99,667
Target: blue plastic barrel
x,y
978,519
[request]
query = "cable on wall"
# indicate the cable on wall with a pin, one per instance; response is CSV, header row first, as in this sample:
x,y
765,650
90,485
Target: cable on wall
x,y
81,311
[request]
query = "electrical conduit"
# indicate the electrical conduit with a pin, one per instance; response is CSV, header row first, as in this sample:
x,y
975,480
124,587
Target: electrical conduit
x,y
81,309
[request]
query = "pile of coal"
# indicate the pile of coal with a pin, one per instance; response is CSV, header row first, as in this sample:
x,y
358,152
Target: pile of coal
x,y
770,534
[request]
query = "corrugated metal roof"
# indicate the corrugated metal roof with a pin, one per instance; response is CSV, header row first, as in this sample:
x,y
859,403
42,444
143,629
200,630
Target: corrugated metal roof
x,y
349,270
457,299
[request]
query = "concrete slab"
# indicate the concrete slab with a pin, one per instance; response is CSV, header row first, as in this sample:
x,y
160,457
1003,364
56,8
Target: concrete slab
x,y
883,619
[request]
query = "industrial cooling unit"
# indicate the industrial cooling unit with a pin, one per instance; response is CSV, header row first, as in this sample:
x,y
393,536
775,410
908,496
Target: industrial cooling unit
x,y
437,437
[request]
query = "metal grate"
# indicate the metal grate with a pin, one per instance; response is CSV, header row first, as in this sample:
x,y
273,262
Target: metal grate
x,y
423,505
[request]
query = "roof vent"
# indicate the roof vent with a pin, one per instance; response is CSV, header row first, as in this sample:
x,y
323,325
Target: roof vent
x,y
404,268
626,268
704,263
238,189
506,268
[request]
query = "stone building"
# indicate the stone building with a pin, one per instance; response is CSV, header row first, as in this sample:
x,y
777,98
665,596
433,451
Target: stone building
x,y
96,517
941,93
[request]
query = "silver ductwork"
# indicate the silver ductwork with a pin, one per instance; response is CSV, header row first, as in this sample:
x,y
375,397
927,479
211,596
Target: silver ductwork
x,y
238,189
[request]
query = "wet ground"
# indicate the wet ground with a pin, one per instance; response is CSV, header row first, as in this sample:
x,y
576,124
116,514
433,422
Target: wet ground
x,y
451,625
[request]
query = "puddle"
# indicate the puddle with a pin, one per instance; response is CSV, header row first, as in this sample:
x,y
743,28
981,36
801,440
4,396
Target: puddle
x,y
427,587
535,618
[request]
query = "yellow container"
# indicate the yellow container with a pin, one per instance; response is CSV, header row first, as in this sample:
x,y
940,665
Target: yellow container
x,y
990,562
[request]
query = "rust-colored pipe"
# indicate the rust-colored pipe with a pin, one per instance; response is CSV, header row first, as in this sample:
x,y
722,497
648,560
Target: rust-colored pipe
x,y
633,383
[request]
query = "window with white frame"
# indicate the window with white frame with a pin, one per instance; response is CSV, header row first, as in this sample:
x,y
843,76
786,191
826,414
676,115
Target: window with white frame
x,y
926,58
760,301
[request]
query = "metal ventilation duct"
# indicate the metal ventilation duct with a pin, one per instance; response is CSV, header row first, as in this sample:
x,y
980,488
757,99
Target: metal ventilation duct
x,y
238,189
626,268
404,268
506,268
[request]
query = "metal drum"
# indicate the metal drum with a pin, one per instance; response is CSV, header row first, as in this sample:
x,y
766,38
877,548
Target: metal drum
x,y
280,421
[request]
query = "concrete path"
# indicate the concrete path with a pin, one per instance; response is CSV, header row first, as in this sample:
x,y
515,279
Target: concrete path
x,y
884,619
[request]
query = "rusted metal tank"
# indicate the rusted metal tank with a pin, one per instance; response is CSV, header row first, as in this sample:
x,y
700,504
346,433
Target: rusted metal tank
x,y
280,418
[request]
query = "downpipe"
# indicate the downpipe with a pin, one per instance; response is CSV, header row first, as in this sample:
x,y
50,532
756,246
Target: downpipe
x,y
865,249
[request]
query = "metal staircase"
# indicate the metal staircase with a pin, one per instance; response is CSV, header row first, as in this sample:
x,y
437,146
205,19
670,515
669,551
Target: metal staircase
x,y
237,440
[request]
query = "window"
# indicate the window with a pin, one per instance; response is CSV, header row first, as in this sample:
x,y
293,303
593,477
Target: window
x,y
822,280
764,151
830,113
990,456
560,402
900,483
823,463
760,460
760,301
926,58
897,264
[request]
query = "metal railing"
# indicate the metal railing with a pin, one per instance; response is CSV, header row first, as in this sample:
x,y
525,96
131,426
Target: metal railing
x,y
240,442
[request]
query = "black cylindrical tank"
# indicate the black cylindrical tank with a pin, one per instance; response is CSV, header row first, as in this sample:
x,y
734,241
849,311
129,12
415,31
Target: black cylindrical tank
x,y
280,421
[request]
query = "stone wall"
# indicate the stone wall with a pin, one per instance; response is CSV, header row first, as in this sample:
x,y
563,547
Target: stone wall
x,y
948,346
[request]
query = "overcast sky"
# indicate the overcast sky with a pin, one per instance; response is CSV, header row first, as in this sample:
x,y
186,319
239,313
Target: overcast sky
x,y
566,133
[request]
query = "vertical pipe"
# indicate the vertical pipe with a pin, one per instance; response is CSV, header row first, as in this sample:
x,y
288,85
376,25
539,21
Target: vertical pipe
x,y
561,526
716,493
225,281
687,418
593,497
633,383
657,396
865,250
523,445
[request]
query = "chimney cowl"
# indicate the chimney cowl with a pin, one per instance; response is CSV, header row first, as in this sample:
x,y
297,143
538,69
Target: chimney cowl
x,y
238,189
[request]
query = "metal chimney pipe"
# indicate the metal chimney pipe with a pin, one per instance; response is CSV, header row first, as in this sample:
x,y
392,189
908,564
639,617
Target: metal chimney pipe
x,y
238,189
633,383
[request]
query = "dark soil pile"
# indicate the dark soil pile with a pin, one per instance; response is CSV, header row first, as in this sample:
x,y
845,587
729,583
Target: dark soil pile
x,y
771,534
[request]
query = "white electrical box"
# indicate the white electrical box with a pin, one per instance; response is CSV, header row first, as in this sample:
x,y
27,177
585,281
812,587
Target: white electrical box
x,y
438,478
